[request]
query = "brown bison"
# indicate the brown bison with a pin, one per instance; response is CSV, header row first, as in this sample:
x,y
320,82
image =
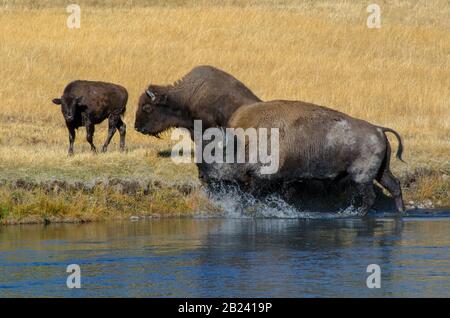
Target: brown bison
x,y
315,142
87,103
205,93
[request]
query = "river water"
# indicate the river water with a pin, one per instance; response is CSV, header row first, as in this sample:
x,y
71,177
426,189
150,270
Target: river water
x,y
229,257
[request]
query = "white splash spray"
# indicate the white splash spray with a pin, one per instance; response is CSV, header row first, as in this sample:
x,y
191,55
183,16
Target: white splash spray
x,y
238,204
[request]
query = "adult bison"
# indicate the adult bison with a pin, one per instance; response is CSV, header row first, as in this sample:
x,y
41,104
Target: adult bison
x,y
205,93
87,103
315,142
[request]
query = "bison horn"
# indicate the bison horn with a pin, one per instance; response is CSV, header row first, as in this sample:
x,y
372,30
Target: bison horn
x,y
151,95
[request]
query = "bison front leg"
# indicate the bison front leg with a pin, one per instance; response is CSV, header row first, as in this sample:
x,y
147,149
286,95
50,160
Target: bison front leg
x,y
71,140
367,195
112,126
255,186
90,129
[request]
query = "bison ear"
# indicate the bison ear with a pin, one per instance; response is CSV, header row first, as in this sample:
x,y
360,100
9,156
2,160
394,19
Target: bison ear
x,y
57,101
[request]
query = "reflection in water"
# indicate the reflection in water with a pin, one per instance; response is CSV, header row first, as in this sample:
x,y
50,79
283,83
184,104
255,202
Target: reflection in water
x,y
228,257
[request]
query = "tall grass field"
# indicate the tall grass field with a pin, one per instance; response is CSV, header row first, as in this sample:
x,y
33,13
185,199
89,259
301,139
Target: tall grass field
x,y
323,52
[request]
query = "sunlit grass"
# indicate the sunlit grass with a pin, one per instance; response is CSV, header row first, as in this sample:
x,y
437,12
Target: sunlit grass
x,y
38,205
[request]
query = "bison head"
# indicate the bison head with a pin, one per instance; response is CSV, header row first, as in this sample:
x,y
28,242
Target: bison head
x,y
68,106
157,113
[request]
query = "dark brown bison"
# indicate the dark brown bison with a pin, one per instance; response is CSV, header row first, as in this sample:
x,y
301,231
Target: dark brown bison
x,y
205,93
87,103
315,142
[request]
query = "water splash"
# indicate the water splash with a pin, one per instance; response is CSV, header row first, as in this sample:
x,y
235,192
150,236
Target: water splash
x,y
238,204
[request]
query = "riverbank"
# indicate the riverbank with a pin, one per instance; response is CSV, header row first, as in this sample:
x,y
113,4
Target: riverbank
x,y
39,200
23,202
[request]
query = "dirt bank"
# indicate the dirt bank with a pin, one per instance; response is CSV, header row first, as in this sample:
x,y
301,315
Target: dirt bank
x,y
28,201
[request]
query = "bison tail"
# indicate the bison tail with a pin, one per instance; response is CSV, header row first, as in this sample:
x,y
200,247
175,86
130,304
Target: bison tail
x,y
400,144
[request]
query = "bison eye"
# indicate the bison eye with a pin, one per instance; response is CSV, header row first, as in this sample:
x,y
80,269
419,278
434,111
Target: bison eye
x,y
147,108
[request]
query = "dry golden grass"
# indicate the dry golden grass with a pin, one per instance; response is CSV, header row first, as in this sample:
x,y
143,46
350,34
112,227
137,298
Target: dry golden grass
x,y
319,51
37,205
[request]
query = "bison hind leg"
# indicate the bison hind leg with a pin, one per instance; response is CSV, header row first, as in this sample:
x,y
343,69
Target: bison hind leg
x,y
122,130
391,183
90,129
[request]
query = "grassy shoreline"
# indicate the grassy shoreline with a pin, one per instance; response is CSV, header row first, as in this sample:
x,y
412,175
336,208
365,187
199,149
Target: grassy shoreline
x,y
52,201
55,201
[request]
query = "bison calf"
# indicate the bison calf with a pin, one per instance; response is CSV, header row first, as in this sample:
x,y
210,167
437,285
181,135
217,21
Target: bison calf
x,y
87,103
